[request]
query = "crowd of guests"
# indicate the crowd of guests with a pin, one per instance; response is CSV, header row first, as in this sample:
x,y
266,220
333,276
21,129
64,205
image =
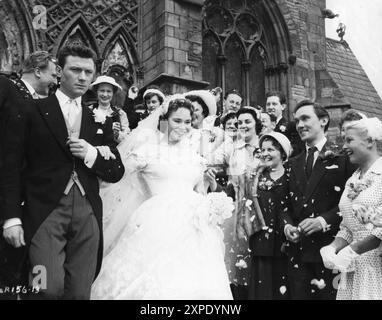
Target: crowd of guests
x,y
306,211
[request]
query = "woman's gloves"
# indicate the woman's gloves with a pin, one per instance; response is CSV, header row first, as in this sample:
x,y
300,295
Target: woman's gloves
x,y
345,258
328,255
341,261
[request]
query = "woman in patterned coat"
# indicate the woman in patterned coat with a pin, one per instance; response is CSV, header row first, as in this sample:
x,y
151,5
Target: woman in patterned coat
x,y
354,252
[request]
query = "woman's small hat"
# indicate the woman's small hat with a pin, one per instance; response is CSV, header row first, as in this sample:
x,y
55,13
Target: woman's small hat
x,y
281,139
106,79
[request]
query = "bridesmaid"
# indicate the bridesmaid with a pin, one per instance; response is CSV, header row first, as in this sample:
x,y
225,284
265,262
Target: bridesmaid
x,y
105,88
269,264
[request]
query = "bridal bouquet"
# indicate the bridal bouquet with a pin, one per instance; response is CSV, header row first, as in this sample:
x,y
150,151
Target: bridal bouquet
x,y
220,207
211,210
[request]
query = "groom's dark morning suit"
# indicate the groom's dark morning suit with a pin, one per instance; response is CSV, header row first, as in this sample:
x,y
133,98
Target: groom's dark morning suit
x,y
310,198
62,215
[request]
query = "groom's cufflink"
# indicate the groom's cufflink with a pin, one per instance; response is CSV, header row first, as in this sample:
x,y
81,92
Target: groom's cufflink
x,y
100,131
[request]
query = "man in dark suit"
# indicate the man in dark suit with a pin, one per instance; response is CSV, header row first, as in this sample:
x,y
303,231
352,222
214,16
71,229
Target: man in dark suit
x,y
312,219
232,102
276,104
39,75
64,149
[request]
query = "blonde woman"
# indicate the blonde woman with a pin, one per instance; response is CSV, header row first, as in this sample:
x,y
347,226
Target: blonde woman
x,y
354,250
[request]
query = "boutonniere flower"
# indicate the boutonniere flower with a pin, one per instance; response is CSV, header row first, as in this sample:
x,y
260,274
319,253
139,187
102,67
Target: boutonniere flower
x,y
331,154
99,116
282,129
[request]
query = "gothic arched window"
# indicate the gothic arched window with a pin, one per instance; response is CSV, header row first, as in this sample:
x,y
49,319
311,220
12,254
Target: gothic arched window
x,y
234,53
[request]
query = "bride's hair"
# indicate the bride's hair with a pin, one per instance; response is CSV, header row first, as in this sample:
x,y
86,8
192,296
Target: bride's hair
x,y
178,103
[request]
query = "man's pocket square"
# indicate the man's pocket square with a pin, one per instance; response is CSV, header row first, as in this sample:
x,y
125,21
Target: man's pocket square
x,y
332,167
100,131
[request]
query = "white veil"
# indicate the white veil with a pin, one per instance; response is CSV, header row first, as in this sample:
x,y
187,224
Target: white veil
x,y
121,199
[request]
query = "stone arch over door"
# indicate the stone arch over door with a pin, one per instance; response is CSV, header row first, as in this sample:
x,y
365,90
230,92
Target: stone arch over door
x,y
246,46
95,23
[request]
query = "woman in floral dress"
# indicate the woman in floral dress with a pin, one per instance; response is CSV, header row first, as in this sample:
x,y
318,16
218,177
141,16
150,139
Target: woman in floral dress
x,y
354,251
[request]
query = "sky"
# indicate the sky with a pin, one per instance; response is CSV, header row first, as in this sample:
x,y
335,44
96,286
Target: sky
x,y
363,20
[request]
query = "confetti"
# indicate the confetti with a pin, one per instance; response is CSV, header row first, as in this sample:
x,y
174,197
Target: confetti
x,y
319,284
283,290
241,264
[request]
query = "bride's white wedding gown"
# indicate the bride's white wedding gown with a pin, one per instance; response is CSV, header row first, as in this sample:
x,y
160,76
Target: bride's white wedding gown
x,y
165,248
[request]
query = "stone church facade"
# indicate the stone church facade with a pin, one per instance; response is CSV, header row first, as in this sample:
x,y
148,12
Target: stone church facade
x,y
250,45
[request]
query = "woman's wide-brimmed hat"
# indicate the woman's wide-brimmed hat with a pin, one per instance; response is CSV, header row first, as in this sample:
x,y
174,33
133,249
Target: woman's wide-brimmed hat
x,y
281,139
207,97
105,79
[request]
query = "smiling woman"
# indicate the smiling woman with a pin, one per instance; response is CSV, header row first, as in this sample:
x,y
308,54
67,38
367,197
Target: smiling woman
x,y
354,250
105,88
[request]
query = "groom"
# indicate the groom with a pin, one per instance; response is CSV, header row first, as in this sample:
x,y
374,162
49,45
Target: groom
x,y
51,161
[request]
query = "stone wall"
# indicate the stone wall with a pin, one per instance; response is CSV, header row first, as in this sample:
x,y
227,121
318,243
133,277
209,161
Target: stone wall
x,y
307,34
172,44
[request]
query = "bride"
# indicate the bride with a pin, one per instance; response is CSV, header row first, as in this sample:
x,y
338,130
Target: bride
x,y
158,240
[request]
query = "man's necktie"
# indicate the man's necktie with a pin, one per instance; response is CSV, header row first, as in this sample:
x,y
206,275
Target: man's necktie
x,y
310,161
72,114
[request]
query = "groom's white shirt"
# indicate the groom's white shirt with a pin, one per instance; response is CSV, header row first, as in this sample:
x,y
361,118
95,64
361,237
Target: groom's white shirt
x,y
65,104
